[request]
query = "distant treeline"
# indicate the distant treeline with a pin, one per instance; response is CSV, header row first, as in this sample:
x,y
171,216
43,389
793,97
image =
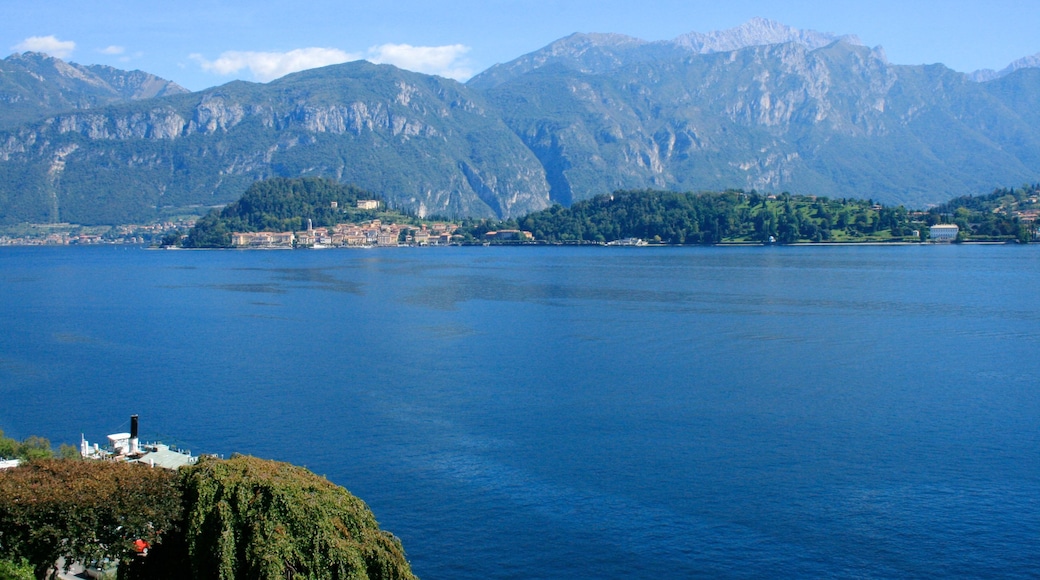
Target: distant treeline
x,y
710,218
32,447
665,217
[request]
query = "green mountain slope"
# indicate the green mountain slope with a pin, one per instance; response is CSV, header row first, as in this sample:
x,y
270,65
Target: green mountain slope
x,y
426,144
836,121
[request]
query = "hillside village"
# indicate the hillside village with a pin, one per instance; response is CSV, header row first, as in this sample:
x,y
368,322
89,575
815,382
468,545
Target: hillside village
x,y
372,233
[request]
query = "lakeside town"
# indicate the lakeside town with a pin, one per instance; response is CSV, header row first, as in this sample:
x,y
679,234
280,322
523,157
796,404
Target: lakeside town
x,y
364,235
385,230
368,234
373,233
65,234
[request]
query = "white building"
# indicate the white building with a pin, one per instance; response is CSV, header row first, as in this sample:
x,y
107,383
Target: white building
x,y
943,233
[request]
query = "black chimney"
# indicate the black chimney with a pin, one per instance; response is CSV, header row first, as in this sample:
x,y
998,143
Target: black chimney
x,y
133,426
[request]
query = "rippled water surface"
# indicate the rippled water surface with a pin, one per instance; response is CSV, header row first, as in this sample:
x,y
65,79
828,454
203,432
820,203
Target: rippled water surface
x,y
577,412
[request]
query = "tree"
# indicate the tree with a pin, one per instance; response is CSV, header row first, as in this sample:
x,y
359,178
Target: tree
x,y
20,570
8,447
251,518
34,447
171,238
66,451
85,511
31,447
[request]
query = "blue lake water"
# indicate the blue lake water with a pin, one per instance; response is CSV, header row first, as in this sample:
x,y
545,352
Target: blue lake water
x,y
577,412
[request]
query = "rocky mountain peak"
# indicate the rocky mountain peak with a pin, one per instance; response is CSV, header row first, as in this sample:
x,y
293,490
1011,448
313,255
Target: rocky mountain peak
x,y
986,74
598,53
582,41
586,52
34,85
758,32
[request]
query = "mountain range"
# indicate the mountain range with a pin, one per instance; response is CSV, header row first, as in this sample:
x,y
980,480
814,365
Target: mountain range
x,y
762,106
34,85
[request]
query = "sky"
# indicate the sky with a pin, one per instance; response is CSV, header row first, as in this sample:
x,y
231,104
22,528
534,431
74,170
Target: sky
x,y
204,43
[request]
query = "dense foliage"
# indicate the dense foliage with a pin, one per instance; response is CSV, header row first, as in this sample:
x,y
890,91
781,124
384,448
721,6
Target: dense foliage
x,y
249,518
710,218
996,216
84,511
20,570
32,447
279,205
240,518
732,216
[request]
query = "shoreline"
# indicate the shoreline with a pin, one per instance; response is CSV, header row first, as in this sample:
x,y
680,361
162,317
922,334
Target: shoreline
x,y
547,244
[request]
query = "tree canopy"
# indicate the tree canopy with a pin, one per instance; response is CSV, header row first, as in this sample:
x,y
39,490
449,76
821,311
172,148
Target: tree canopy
x,y
709,218
250,518
995,216
85,511
219,519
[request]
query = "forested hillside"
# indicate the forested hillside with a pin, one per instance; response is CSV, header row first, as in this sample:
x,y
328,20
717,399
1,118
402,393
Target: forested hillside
x,y
283,204
712,218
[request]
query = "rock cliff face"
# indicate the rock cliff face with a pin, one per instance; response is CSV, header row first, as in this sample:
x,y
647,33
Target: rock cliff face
x,y
34,85
757,32
428,144
762,106
813,115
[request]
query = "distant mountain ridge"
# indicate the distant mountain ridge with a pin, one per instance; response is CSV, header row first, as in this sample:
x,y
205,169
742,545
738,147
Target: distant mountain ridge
x,y
837,121
599,53
761,106
984,75
758,32
426,143
34,85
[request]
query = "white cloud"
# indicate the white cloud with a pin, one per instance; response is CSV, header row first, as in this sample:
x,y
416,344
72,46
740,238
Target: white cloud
x,y
48,44
112,50
266,66
445,61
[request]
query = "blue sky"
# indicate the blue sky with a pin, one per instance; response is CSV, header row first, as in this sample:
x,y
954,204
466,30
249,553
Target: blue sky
x,y
202,43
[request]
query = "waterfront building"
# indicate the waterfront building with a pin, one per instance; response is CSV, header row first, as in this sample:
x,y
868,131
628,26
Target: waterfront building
x,y
943,233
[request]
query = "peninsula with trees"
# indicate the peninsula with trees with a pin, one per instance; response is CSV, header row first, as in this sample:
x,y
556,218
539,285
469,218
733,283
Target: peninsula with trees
x,y
315,212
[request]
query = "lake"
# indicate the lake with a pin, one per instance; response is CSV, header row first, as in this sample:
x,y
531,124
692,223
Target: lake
x,y
577,412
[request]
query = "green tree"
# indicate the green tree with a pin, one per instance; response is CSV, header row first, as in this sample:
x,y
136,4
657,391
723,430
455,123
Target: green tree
x,y
170,238
250,518
8,447
66,451
83,511
20,570
34,447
